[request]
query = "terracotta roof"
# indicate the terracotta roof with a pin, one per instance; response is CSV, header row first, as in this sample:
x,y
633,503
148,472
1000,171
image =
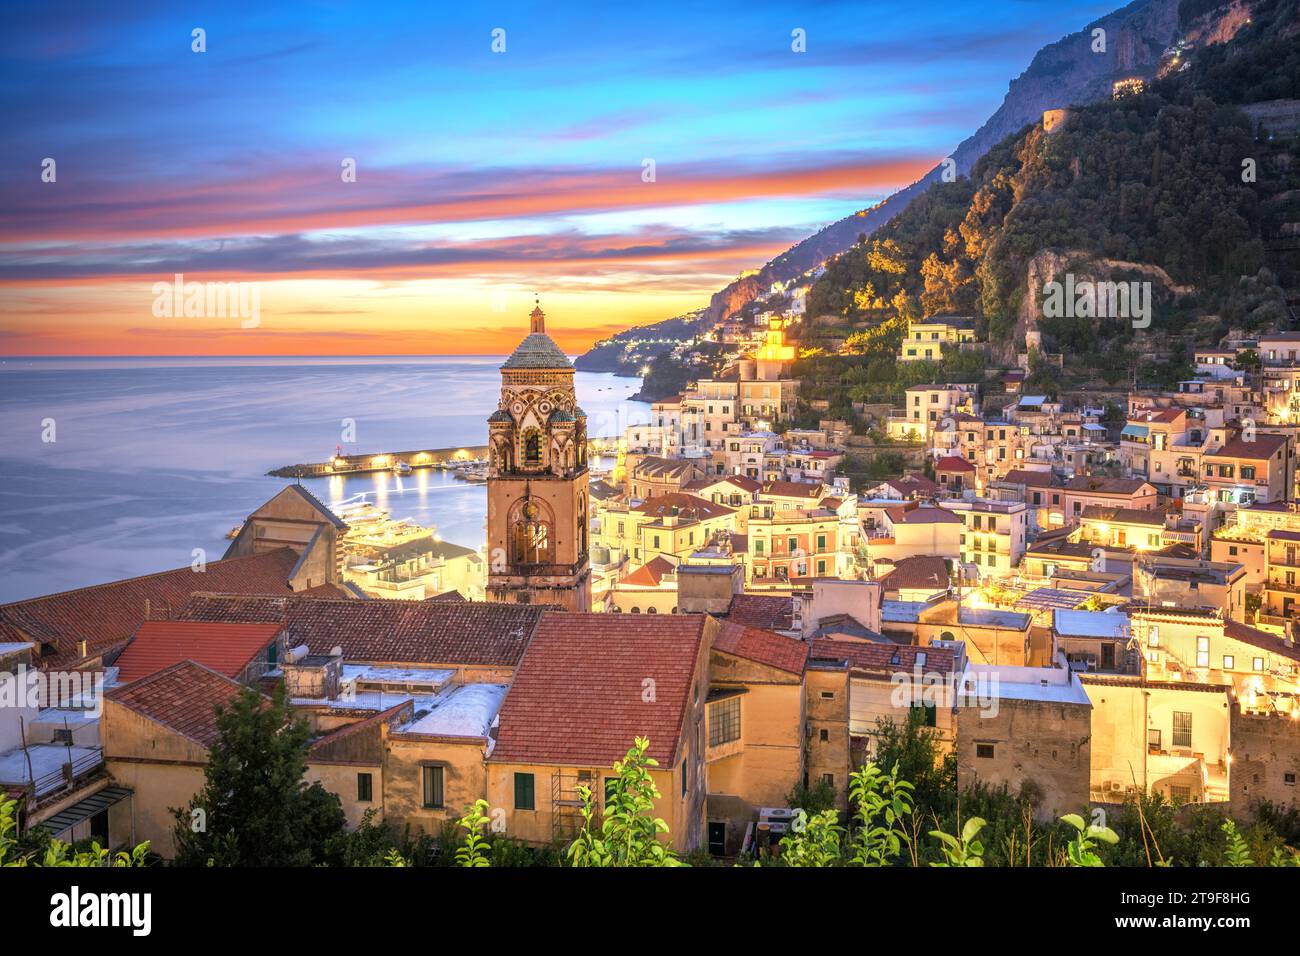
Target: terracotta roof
x,y
1261,639
106,615
872,658
793,489
917,572
1280,534
763,647
914,484
650,574
740,481
686,506
387,631
922,515
1032,479
775,612
579,695
653,466
953,463
1149,518
225,648
1261,449
1092,485
183,698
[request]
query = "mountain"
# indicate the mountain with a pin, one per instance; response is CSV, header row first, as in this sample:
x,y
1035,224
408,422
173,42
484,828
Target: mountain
x,y
1067,72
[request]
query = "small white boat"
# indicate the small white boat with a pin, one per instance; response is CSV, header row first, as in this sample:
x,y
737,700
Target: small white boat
x,y
401,468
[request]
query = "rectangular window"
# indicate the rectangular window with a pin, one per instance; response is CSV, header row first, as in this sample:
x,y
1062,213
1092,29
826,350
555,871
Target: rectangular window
x,y
1229,662
364,788
984,751
724,721
1202,652
1258,663
824,736
1182,728
433,788
525,792
1153,739
828,779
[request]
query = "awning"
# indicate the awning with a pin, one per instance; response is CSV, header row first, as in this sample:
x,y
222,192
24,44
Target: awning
x,y
1135,431
96,803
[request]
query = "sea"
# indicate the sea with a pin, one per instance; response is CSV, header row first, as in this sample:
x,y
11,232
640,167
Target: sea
x,y
117,467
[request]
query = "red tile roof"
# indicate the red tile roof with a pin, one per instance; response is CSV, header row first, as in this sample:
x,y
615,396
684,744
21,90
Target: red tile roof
x,y
650,574
1093,485
793,489
871,658
922,515
773,612
1032,479
226,648
953,463
762,647
1264,640
106,615
387,631
579,696
1262,448
922,571
682,505
183,698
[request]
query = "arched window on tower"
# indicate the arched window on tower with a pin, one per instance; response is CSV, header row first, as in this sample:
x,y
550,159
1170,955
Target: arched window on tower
x,y
532,447
532,536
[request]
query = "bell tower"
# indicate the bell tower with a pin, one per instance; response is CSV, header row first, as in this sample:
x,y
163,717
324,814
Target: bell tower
x,y
538,515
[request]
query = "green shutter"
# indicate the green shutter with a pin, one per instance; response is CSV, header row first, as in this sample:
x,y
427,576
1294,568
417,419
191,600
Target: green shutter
x,y
524,792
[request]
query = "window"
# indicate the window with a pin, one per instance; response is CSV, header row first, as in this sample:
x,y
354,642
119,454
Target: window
x,y
525,792
724,721
364,788
824,736
828,695
611,789
929,714
1182,728
828,779
1289,778
1180,795
1229,662
1258,663
1153,739
433,788
1202,652
984,751
1153,637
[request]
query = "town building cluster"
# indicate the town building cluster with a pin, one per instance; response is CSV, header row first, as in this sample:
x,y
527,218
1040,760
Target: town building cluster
x,y
1080,599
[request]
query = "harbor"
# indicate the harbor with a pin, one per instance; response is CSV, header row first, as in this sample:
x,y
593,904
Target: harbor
x,y
467,462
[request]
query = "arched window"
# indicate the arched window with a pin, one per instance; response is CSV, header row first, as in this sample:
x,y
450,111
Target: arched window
x,y
531,539
532,447
947,636
652,609
636,610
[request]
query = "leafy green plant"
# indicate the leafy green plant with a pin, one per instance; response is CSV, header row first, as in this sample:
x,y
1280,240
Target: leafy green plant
x,y
476,850
1081,850
628,832
962,850
883,802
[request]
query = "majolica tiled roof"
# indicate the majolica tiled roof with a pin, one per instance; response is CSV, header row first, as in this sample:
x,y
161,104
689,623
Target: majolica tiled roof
x,y
537,350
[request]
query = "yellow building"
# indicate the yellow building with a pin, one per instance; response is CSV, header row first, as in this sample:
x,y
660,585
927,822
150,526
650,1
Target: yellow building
x,y
926,338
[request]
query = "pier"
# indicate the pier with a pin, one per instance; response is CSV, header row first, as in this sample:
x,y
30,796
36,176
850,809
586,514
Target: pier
x,y
421,458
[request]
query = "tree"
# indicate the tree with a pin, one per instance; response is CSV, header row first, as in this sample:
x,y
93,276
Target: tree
x,y
628,832
255,809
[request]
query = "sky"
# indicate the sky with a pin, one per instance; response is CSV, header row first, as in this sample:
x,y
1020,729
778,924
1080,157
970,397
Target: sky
x,y
622,162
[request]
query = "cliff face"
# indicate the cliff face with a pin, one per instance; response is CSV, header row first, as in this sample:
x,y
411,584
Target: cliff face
x,y
1064,73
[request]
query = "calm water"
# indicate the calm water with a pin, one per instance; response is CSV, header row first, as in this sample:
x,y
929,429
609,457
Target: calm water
x,y
153,458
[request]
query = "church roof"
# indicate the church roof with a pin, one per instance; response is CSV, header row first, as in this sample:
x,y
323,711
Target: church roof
x,y
537,350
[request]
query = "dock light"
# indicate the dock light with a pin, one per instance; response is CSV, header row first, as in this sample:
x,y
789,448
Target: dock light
x,y
379,461
340,462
